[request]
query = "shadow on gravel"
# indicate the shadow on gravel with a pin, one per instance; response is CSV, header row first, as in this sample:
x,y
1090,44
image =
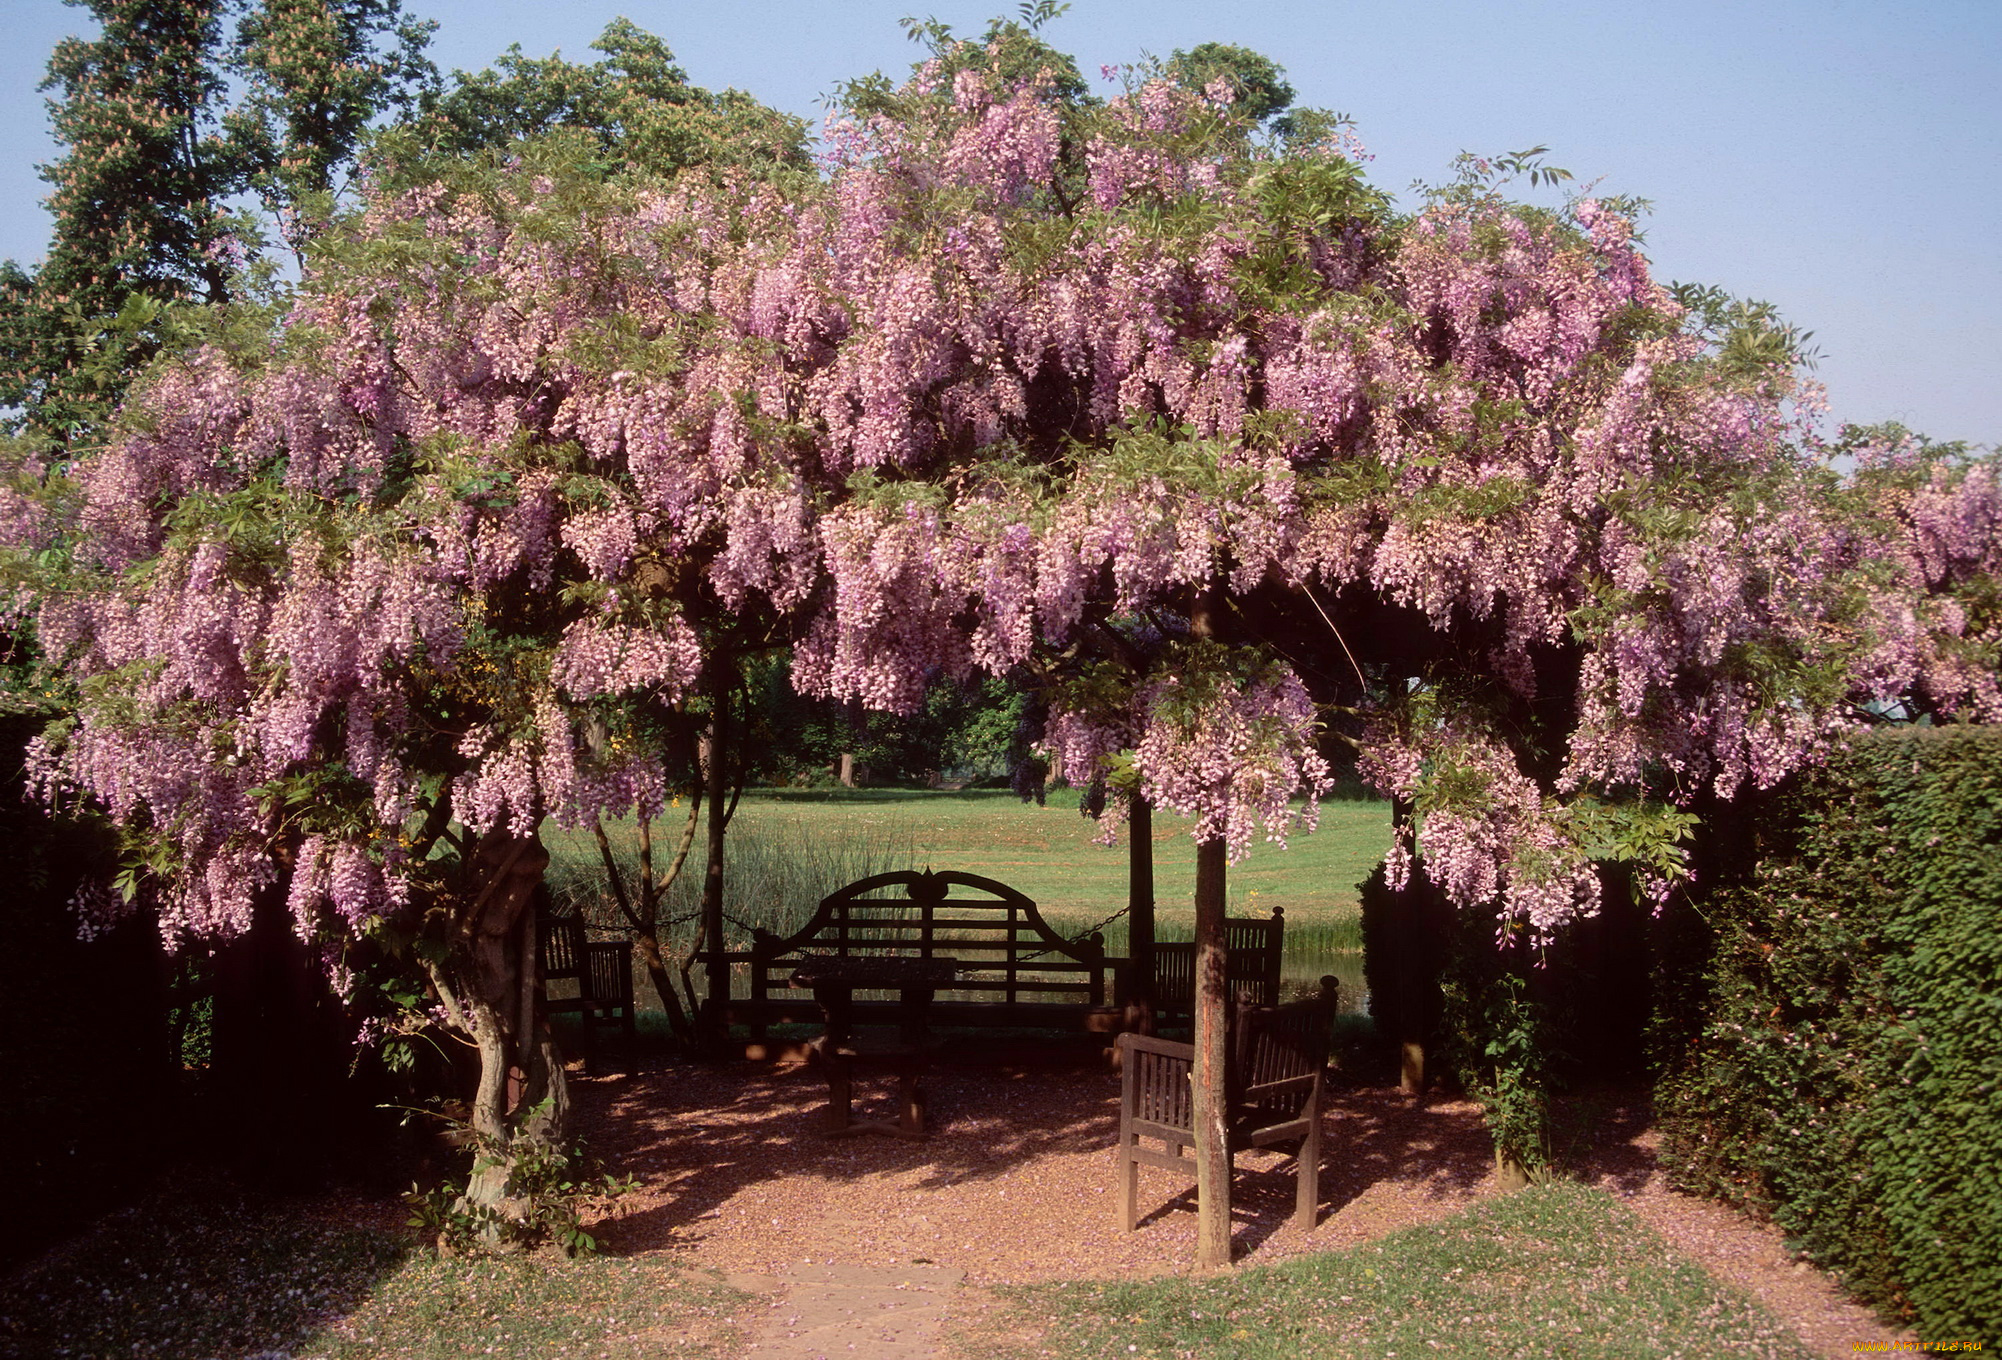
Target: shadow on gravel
x,y
1013,1118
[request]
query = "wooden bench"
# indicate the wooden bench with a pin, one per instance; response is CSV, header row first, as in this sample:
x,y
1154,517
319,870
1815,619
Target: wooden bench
x,y
1014,970
1273,1096
602,971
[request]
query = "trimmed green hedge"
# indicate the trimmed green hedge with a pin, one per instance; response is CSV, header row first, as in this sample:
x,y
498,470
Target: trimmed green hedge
x,y
1847,1079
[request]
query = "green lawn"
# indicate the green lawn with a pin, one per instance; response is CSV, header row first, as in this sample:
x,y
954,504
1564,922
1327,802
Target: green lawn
x,y
1555,1270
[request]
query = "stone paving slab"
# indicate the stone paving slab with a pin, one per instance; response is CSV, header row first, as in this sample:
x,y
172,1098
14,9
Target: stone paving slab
x,y
833,1312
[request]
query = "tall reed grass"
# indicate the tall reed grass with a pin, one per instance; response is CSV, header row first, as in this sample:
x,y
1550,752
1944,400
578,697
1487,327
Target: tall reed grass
x,y
1314,948
775,873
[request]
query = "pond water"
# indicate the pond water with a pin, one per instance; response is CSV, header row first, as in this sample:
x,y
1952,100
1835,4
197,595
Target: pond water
x,y
1300,975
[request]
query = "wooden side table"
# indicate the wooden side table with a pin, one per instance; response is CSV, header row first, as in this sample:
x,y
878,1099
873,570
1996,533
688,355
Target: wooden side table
x,y
839,1052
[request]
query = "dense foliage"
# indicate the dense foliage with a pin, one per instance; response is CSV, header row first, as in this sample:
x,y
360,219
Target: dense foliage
x,y
88,1026
1845,1078
960,733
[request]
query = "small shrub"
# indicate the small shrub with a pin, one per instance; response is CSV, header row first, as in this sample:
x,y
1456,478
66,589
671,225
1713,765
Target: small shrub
x,y
549,1186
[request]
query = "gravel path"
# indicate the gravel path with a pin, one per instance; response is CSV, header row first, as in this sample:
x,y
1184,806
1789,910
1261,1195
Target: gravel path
x,y
872,1240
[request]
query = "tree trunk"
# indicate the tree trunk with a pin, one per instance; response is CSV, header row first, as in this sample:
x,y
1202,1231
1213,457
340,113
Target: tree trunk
x,y
479,980
1211,1016
644,915
652,890
1413,977
1211,1037
654,959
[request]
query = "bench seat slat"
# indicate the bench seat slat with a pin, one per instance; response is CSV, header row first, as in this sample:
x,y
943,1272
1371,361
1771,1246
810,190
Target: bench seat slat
x,y
1001,948
905,921
958,991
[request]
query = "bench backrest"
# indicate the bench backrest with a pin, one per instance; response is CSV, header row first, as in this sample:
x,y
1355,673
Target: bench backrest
x,y
1006,951
1253,949
603,970
561,939
1276,1062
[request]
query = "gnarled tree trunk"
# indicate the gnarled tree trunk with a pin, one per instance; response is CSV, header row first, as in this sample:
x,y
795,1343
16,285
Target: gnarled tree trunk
x,y
642,909
478,968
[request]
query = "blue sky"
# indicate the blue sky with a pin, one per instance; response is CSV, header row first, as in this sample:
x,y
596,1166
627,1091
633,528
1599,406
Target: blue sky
x,y
1842,159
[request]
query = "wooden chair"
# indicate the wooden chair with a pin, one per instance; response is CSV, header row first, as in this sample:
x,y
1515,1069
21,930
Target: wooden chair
x,y
602,970
1252,952
1272,1096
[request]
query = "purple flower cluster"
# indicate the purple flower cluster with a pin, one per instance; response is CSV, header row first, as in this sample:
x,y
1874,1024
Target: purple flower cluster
x,y
930,416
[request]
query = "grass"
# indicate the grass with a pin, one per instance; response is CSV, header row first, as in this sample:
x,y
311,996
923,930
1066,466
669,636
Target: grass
x,y
789,848
1555,1270
536,1307
777,867
210,1273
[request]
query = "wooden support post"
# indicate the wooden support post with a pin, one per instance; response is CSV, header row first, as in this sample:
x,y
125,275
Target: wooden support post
x,y
1408,933
715,1023
1140,900
1129,1175
1211,1044
911,1101
1411,1068
1307,1194
1211,1019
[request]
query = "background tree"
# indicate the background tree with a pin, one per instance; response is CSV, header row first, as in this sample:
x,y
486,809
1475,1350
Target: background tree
x,y
961,730
1256,84
635,107
140,202
317,75
155,155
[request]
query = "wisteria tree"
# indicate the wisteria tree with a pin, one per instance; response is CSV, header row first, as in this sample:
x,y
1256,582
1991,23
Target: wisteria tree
x,y
355,601
1188,424
1174,419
